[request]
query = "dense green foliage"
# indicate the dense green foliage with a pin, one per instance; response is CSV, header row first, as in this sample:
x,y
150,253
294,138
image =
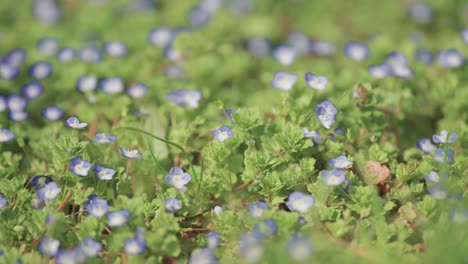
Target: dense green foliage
x,y
382,217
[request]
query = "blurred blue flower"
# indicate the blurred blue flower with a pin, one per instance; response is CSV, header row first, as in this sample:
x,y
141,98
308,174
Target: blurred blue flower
x,y
102,138
459,215
322,48
40,70
112,85
96,206
65,256
464,35
32,90
172,205
333,177
15,57
340,162
89,248
325,112
3,103
49,246
356,51
46,11
317,82
285,55
48,192
3,201
425,145
18,116
438,192
443,156
203,255
115,49
185,98
213,239
39,181
175,72
52,112
172,54
211,5
299,41
258,47
313,135
283,80
6,135
425,56
256,209
137,90
79,167
450,58
102,173
199,16
160,37
380,71
86,83
135,245
421,12
178,178
130,154
299,201
66,54
442,138
434,177
223,133
251,248
118,218
8,71
48,46
299,248
265,229
73,122
90,54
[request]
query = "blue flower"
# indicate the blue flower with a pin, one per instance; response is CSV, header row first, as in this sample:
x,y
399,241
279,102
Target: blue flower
x,y
299,201
425,145
113,85
175,72
299,41
251,248
356,51
313,135
421,13
172,205
185,98
438,192
135,245
89,247
229,113
3,201
203,255
380,71
73,122
115,49
32,90
299,248
40,70
66,54
178,178
434,177
86,83
211,5
285,55
464,35
47,46
459,215
137,90
8,71
49,246
256,209
52,112
3,103
258,47
424,56
6,135
171,53
39,181
340,162
265,229
49,192
96,206
223,133
442,138
402,71
198,16
283,80
450,58
213,239
15,57
325,112
102,138
130,154
333,177
16,103
317,82
65,256
79,167
46,11
160,37
102,173
442,156
118,218
18,116
322,48
90,54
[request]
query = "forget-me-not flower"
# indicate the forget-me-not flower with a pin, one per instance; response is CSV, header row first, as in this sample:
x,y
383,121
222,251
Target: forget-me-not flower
x,y
258,47
111,85
49,246
322,48
251,248
425,145
265,229
90,54
438,192
442,138
96,206
137,90
102,138
52,112
102,173
213,239
47,46
425,56
325,112
89,247
340,162
299,248
317,82
130,154
185,98
135,245
356,51
203,255
115,49
3,201
223,133
40,70
32,90
313,135
80,167
73,122
178,178
421,12
285,55
283,80
172,205
86,83
380,71
333,177
299,201
256,209
66,54
160,37
8,71
48,192
6,135
118,218
450,58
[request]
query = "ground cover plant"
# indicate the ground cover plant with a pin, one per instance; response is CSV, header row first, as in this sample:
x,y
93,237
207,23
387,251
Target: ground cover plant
x,y
235,131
